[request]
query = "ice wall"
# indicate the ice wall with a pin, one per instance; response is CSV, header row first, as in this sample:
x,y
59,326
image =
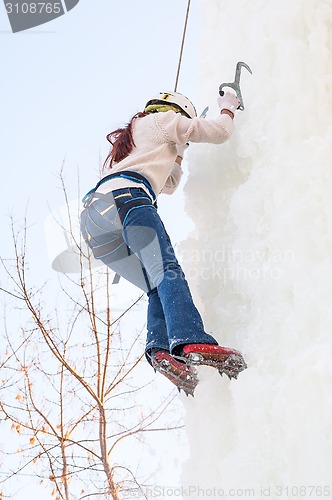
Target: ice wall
x,y
260,258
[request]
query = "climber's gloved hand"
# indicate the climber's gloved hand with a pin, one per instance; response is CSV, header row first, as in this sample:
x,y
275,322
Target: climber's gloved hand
x,y
180,149
228,101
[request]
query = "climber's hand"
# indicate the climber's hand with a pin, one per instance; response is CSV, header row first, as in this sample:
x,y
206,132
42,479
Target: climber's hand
x,y
180,149
229,102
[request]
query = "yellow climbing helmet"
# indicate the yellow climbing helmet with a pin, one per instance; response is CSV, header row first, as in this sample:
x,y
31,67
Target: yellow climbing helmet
x,y
179,101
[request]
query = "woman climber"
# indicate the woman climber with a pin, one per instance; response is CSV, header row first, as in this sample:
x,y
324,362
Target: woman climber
x,y
120,223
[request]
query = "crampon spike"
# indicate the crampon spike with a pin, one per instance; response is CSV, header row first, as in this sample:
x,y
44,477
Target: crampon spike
x,y
188,392
182,376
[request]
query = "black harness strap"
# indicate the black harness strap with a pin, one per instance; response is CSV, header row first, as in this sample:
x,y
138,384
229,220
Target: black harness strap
x,y
129,205
109,247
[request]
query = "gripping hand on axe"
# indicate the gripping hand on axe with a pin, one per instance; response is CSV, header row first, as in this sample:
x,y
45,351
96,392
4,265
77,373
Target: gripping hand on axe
x,y
236,84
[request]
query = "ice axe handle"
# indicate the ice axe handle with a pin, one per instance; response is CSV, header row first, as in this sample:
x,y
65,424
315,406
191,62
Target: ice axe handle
x,y
236,84
237,92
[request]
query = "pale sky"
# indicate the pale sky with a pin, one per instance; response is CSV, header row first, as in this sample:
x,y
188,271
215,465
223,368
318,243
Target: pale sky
x,y
67,83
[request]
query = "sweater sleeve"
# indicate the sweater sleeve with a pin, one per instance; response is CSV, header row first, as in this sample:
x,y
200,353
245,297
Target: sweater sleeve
x,y
178,129
173,179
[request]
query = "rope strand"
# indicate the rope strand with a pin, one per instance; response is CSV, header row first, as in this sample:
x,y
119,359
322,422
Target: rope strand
x,y
182,45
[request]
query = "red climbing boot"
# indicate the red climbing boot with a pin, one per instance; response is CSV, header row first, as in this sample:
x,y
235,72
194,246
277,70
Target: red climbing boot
x,y
225,360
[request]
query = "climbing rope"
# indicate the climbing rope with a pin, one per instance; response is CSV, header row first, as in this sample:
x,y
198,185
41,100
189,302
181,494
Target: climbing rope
x,y
182,45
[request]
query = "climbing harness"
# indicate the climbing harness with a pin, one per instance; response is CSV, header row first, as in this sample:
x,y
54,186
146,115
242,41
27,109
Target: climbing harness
x,y
125,174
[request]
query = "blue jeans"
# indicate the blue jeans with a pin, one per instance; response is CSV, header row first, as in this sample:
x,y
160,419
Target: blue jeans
x,y
125,231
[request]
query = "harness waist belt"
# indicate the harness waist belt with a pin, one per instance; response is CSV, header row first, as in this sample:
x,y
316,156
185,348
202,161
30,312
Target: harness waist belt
x,y
125,174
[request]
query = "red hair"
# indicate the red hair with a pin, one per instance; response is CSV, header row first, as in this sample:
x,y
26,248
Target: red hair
x,y
122,142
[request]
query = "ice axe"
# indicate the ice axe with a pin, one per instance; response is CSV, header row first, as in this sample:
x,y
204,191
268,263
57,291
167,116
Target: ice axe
x,y
236,84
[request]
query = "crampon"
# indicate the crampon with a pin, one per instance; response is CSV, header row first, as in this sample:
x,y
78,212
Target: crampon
x,y
227,361
179,373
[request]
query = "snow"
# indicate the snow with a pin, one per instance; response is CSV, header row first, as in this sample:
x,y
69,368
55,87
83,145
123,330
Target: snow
x,y
259,260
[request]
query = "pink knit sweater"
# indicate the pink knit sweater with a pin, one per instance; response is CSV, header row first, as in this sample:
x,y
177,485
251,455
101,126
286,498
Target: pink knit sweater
x,y
155,138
